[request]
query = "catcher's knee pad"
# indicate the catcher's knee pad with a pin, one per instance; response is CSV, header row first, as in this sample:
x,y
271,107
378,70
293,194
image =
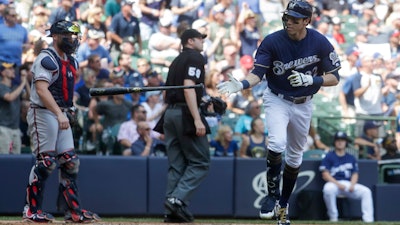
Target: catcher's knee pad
x,y
44,166
69,165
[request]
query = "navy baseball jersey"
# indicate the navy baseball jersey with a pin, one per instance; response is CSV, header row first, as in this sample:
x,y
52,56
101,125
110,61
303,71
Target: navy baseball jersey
x,y
278,56
340,167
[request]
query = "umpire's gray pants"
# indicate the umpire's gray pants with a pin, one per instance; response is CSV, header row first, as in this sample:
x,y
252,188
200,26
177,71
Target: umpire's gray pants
x,y
188,157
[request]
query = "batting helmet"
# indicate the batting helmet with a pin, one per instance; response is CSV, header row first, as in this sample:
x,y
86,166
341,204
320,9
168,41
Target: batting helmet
x,y
298,9
340,135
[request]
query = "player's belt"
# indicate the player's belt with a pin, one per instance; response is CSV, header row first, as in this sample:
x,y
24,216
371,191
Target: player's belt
x,y
63,109
295,100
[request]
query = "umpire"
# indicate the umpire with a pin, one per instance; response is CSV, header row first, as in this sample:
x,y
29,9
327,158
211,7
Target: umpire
x,y
185,129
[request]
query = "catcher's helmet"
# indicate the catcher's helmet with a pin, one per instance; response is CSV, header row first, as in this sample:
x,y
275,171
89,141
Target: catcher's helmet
x,y
298,9
64,27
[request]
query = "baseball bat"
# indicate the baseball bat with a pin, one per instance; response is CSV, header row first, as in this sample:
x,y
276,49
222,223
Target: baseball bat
x,y
126,90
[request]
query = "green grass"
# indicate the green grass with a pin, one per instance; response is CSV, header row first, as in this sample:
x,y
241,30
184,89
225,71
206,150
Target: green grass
x,y
144,220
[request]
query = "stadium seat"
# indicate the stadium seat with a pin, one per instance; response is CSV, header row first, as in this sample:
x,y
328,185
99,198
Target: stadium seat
x,y
314,154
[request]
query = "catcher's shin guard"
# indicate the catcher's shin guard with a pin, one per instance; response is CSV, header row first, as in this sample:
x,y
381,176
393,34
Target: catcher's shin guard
x,y
44,166
68,197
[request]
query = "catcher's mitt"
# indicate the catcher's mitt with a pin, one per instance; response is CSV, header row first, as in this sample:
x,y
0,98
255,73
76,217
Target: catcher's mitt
x,y
219,106
72,116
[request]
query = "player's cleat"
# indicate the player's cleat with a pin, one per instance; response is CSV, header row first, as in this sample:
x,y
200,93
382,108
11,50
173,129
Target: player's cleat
x,y
169,218
38,217
282,215
178,210
267,207
83,217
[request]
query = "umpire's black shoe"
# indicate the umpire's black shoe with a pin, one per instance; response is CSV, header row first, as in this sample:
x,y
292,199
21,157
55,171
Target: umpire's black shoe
x,y
178,210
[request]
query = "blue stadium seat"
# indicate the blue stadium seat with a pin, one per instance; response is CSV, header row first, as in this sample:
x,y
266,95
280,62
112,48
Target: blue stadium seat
x,y
314,154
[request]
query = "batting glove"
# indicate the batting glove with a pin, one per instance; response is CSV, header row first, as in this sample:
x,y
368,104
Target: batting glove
x,y
298,79
231,86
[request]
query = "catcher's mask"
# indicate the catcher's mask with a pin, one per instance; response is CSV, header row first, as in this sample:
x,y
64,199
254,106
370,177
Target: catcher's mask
x,y
66,28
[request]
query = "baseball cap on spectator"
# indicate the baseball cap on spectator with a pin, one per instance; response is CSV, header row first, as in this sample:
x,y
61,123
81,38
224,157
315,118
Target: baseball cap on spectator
x,y
218,8
4,2
152,93
352,51
336,20
340,135
249,14
166,19
191,33
377,55
129,39
95,34
371,125
395,34
127,2
6,65
152,74
247,61
165,22
387,140
199,23
117,73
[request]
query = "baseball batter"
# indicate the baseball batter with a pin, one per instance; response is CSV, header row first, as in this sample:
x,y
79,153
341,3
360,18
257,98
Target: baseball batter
x,y
340,171
296,62
54,73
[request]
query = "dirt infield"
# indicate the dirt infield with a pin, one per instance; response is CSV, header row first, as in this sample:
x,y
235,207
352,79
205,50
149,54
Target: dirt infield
x,y
129,223
250,222
20,222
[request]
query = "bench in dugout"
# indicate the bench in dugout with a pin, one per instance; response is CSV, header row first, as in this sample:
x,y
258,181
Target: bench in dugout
x,y
389,171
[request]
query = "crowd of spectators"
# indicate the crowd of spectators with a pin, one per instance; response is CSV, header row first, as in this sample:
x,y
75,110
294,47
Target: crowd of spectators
x,y
132,43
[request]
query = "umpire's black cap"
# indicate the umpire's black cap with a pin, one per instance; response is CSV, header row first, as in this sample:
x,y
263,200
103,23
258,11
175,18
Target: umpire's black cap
x,y
299,9
191,33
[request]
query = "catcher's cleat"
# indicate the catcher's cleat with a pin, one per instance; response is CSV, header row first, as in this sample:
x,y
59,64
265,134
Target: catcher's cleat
x,y
83,217
38,217
267,207
169,218
282,215
178,210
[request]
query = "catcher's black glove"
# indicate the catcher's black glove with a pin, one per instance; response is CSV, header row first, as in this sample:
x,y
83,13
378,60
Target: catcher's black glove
x,y
219,106
72,116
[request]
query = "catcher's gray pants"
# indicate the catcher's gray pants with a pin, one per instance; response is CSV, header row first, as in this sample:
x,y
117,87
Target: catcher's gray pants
x,y
188,157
